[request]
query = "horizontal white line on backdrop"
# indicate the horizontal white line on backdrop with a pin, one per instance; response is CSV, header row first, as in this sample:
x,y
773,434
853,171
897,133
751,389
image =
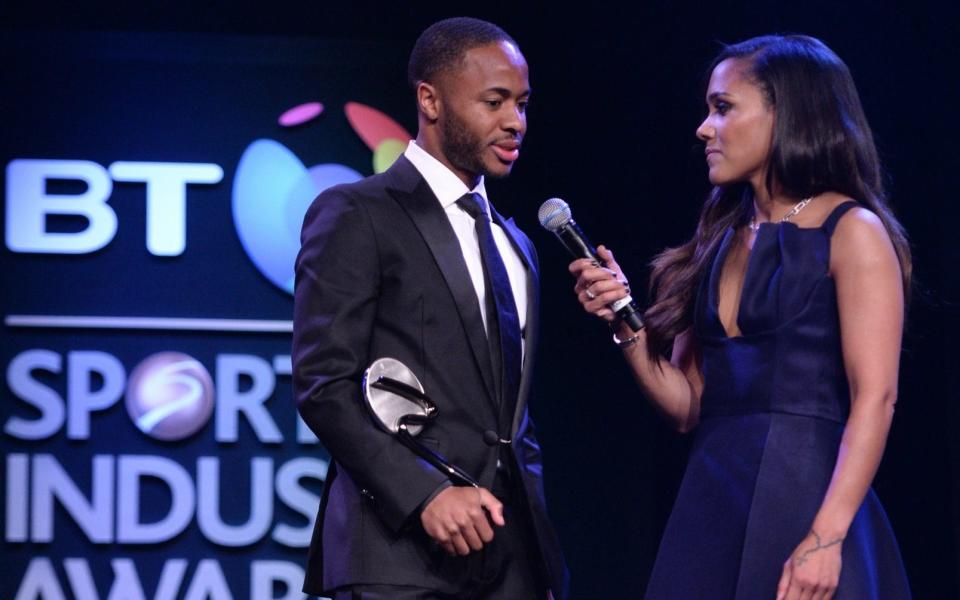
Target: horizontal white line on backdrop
x,y
154,323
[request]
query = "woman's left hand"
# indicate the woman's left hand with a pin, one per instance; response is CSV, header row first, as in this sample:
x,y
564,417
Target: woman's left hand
x,y
813,570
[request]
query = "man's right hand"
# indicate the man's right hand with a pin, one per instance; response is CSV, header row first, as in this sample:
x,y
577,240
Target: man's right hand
x,y
457,519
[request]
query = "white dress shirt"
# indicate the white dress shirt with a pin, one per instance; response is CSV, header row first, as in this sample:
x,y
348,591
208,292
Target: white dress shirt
x,y
448,188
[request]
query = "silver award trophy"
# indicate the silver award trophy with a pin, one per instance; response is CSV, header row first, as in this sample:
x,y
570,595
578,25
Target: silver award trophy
x,y
400,407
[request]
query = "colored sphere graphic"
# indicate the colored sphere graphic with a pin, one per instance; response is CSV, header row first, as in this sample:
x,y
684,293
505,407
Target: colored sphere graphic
x,y
386,153
272,188
299,115
170,396
271,192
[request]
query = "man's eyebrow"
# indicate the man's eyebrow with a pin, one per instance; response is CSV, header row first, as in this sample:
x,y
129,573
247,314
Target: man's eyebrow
x,y
506,92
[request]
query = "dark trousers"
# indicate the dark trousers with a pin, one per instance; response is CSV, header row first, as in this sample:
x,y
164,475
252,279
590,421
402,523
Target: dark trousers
x,y
508,568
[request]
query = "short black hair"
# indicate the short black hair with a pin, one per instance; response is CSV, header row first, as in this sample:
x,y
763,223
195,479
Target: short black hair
x,y
443,44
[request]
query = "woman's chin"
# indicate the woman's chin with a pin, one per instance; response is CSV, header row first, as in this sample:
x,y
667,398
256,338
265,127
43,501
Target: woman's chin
x,y
717,179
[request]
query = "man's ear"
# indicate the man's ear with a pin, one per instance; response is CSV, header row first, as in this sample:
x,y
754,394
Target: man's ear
x,y
428,100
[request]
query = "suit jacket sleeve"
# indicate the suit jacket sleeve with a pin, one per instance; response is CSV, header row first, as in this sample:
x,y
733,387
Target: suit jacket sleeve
x,y
335,316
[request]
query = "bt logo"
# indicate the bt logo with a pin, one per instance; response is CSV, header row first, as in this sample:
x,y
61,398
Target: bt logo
x,y
273,189
271,192
29,204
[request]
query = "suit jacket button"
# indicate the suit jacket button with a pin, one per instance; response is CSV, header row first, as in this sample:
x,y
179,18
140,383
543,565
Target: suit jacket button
x,y
490,437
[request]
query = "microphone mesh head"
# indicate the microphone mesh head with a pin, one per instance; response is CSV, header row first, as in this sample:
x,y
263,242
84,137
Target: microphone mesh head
x,y
554,213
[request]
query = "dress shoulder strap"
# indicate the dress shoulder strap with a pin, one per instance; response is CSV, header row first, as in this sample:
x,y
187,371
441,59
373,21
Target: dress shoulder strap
x,y
831,221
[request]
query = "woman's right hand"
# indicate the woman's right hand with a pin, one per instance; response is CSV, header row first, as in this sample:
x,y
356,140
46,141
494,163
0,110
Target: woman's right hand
x,y
674,387
597,287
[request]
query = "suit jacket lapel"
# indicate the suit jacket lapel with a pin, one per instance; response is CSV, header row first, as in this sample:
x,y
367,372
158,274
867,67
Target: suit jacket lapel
x,y
413,194
517,238
531,330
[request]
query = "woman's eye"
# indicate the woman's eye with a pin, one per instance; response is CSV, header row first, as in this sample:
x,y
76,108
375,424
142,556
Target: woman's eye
x,y
722,107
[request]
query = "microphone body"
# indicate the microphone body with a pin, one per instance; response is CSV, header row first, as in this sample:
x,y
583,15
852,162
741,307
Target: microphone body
x,y
576,243
555,216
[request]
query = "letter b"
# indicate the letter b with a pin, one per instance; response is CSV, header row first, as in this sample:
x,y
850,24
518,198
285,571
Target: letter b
x,y
28,205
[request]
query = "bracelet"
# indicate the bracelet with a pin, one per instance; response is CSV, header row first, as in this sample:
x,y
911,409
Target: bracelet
x,y
627,342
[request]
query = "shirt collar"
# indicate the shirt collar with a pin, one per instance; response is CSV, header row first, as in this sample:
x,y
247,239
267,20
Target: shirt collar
x,y
445,185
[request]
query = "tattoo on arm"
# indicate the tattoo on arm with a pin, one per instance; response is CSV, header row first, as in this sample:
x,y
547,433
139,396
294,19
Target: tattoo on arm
x,y
820,546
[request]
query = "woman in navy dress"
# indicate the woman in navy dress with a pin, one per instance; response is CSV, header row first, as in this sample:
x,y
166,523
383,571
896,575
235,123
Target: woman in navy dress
x,y
775,335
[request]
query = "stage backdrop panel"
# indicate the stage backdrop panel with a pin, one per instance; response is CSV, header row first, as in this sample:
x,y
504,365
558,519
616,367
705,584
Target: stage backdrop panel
x,y
153,190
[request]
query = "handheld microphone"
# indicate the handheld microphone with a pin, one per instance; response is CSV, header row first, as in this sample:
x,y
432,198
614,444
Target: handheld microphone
x,y
556,217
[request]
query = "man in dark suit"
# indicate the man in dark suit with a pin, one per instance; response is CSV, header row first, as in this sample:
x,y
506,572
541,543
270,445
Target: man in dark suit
x,y
414,264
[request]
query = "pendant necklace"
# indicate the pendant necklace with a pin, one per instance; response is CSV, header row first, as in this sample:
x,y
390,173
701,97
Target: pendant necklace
x,y
754,226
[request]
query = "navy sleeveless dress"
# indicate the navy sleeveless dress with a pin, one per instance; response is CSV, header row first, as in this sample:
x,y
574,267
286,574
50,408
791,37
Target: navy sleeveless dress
x,y
772,414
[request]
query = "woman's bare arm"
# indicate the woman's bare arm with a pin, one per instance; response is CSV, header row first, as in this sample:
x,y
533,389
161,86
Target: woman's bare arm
x,y
673,386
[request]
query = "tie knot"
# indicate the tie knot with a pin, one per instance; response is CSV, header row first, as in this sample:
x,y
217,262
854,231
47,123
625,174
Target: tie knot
x,y
474,205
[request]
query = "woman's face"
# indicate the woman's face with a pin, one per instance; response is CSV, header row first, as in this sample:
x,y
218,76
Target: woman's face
x,y
738,130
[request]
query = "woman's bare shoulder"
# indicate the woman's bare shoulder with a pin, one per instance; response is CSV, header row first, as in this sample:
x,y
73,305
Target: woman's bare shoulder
x,y
860,240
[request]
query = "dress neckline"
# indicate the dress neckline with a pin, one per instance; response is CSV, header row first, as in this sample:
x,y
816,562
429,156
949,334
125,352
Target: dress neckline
x,y
828,225
720,263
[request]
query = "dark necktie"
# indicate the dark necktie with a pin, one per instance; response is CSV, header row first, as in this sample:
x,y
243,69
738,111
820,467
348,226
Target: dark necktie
x,y
503,323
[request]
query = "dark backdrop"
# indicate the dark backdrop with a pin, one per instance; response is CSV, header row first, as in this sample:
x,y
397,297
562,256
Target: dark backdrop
x,y
618,94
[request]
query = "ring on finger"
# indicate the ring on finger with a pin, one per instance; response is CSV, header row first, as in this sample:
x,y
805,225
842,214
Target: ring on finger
x,y
589,294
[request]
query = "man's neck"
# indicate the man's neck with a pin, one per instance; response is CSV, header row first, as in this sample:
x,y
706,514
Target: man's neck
x,y
432,146
444,183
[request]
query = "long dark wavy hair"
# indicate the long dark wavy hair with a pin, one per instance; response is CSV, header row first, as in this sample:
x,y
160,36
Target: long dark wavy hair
x,y
821,142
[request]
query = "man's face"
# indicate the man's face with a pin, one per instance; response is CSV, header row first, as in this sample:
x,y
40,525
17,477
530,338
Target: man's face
x,y
483,111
